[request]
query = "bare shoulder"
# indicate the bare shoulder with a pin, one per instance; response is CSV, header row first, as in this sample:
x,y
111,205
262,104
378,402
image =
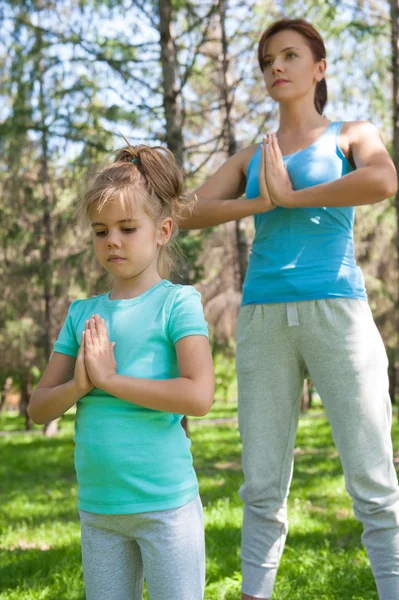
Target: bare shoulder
x,y
356,137
246,156
357,131
230,179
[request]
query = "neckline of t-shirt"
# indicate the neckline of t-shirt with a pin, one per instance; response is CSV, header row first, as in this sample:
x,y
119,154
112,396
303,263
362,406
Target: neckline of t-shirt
x,y
137,299
313,143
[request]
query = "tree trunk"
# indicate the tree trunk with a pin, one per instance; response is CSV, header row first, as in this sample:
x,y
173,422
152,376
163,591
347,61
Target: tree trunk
x,y
171,103
395,112
51,428
5,391
26,393
171,92
306,397
230,141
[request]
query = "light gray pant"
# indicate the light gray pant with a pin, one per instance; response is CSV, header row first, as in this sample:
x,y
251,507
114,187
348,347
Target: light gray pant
x,y
166,546
340,345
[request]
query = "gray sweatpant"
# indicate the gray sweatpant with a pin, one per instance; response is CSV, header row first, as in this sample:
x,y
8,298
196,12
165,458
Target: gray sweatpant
x,y
340,345
166,546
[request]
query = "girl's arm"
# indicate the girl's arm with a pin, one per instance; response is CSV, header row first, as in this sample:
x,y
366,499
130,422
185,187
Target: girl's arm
x,y
63,383
374,179
218,199
190,394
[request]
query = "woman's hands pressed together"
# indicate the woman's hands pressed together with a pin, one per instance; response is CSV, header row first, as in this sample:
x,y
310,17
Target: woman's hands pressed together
x,y
95,362
277,180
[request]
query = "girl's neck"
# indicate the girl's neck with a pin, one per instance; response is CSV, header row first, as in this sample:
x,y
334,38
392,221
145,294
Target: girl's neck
x,y
299,117
124,289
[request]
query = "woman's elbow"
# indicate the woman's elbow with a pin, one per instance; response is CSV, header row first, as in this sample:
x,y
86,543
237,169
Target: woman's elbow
x,y
391,188
389,184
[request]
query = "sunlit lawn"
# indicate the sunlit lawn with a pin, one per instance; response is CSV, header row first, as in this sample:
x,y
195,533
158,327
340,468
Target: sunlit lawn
x,y
39,530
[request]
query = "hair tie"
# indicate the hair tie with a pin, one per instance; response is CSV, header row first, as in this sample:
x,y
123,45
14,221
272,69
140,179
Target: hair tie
x,y
135,160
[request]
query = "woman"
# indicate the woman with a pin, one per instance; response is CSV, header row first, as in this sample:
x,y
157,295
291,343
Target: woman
x,y
304,305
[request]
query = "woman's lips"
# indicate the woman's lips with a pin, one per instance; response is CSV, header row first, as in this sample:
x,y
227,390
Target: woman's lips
x,y
279,82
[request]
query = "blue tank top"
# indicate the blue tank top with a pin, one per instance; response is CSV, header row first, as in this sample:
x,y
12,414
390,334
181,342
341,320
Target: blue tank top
x,y
304,253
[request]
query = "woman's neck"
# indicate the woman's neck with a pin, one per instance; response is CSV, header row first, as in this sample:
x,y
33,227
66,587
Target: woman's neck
x,y
299,117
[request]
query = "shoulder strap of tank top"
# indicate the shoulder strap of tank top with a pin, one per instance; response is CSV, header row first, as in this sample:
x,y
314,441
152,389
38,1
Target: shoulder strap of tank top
x,y
335,130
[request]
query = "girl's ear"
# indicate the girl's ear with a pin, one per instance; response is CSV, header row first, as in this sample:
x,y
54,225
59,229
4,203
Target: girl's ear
x,y
164,231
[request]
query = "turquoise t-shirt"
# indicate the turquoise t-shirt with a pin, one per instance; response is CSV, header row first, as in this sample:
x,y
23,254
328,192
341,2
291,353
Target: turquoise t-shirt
x,y
131,459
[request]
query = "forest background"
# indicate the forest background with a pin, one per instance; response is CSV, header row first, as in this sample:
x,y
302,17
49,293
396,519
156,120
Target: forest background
x,y
75,74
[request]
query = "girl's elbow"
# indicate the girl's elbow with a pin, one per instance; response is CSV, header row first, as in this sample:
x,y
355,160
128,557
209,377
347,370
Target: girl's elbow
x,y
34,414
205,403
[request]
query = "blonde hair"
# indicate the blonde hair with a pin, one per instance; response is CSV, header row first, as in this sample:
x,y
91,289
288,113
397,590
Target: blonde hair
x,y
152,175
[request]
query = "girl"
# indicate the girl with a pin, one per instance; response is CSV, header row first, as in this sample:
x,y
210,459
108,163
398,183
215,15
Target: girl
x,y
304,305
134,360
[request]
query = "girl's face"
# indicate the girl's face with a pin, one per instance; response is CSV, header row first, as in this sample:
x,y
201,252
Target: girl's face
x,y
126,240
289,69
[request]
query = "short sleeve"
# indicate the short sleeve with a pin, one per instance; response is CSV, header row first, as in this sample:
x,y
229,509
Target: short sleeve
x,y
67,342
186,314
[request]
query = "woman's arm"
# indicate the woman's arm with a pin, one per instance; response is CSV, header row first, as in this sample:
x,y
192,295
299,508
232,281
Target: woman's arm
x,y
63,383
218,199
189,394
374,179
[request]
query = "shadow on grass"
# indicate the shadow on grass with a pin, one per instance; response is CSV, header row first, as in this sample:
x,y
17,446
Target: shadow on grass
x,y
333,552
36,569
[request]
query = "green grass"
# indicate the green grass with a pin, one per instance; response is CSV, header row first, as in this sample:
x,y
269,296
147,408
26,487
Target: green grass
x,y
39,528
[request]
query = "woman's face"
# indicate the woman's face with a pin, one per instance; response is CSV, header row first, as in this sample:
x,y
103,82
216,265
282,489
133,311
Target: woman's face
x,y
289,69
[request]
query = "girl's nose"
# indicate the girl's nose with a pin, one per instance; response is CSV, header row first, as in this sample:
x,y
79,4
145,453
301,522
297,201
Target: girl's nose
x,y
113,240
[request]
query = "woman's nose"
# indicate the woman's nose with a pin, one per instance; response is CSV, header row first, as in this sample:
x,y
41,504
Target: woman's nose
x,y
277,66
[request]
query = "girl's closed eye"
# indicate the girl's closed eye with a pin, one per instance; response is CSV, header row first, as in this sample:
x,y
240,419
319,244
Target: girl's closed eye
x,y
129,229
100,233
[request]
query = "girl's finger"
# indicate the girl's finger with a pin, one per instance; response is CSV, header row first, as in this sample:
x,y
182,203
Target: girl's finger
x,y
93,330
101,327
88,339
80,355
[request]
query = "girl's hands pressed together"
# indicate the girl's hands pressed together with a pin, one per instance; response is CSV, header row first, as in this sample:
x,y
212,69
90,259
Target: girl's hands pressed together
x,y
99,352
81,377
277,178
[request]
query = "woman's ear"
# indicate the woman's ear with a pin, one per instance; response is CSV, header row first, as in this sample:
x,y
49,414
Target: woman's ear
x,y
321,69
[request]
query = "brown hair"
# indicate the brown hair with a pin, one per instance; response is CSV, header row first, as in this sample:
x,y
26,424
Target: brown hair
x,y
315,43
152,175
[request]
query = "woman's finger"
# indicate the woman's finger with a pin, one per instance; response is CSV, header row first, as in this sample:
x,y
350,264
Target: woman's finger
x,y
276,148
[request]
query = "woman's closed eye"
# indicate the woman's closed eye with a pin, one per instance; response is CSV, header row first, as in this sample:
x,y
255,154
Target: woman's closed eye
x,y
266,62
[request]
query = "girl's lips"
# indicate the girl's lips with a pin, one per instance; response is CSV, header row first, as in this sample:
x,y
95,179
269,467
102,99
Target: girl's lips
x,y
115,259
